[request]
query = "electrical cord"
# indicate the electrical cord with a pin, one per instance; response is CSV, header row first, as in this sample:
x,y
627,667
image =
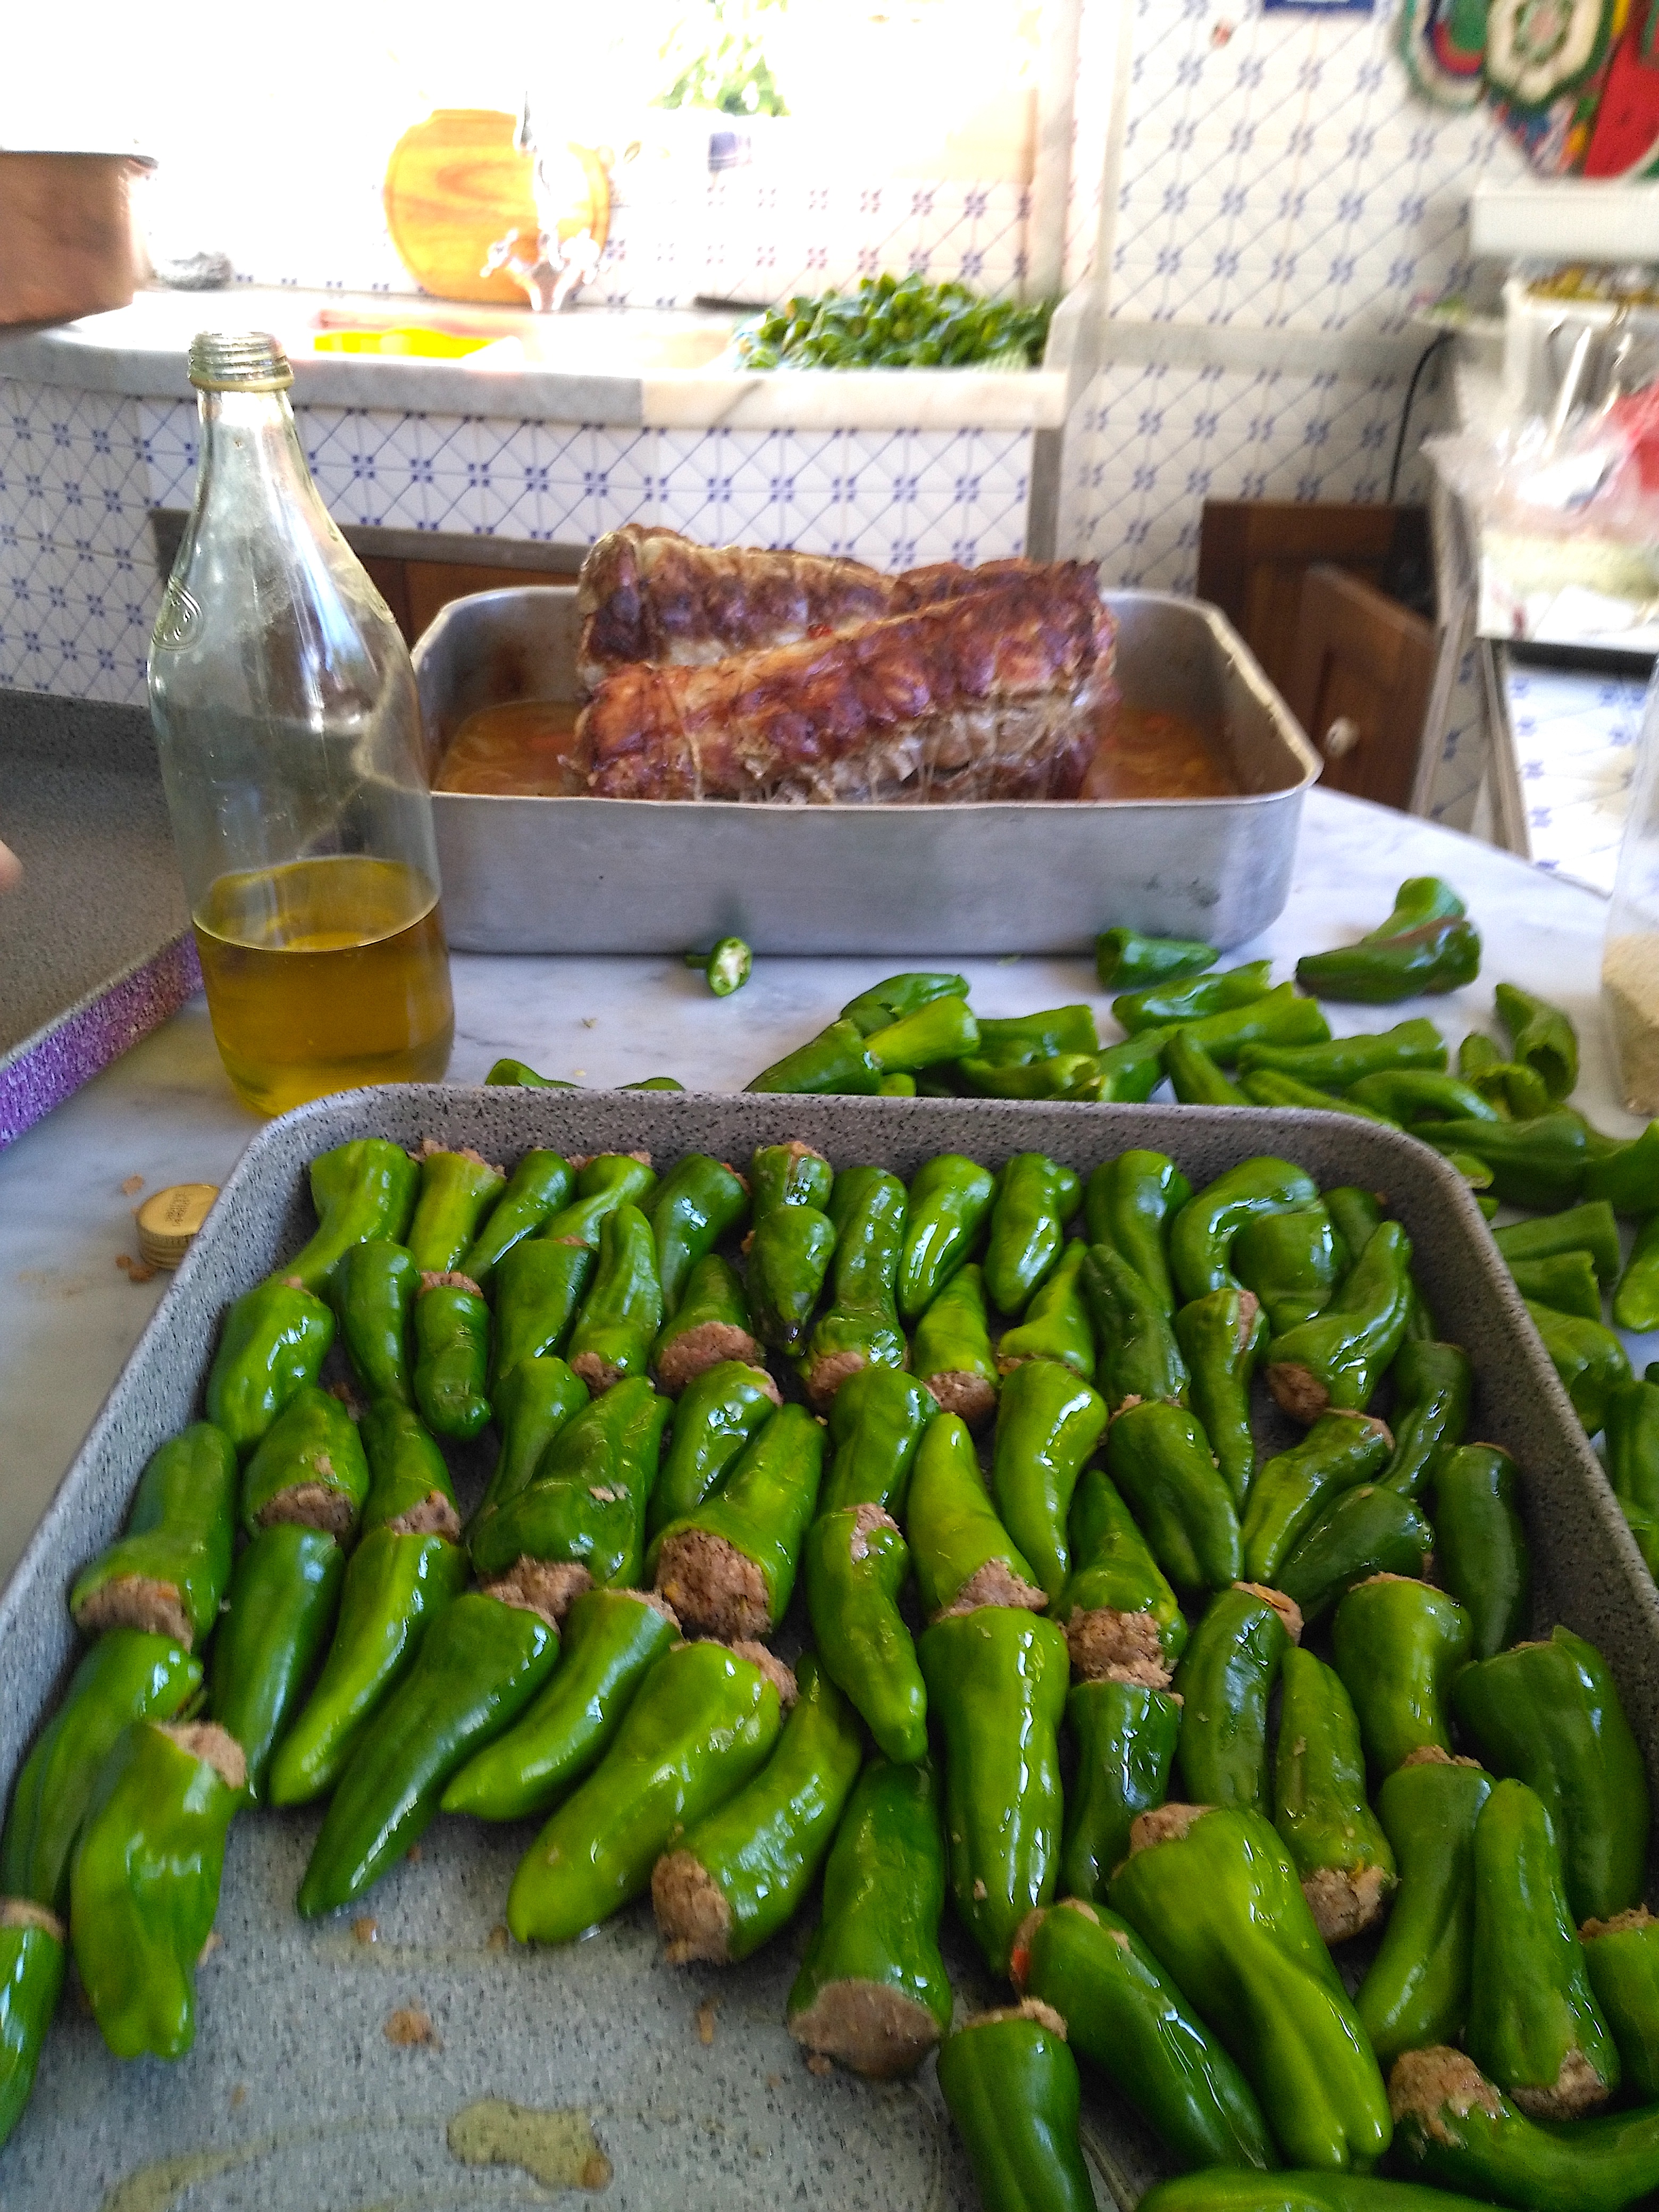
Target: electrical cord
x,y
1426,356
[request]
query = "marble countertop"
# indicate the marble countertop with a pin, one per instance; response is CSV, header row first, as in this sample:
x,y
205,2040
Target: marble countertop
x,y
632,367
164,1114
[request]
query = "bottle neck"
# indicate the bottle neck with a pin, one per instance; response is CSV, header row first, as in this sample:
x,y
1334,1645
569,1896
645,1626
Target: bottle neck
x,y
252,460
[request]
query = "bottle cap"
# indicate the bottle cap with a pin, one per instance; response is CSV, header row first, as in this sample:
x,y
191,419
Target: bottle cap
x,y
168,1219
239,361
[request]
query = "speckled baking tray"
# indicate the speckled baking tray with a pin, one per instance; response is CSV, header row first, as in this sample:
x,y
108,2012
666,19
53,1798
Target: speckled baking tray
x,y
685,2083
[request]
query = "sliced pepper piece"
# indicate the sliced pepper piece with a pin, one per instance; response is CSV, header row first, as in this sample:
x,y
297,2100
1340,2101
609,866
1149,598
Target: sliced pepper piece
x,y
1334,1066
702,1724
1294,1488
1541,1037
1480,1548
873,1991
452,1356
951,1349
1191,1000
875,1426
374,1289
1621,1957
1549,1712
1126,2017
1335,1361
538,1187
868,1207
538,1292
1399,1645
1417,1989
624,1308
1057,1325
1036,1199
1125,1732
710,1324
1291,1262
310,1467
1011,2085
713,1421
585,1508
1319,1806
1221,1338
272,1346
857,1562
1049,1422
360,1189
889,1001
1212,1892
1128,960
33,1946
996,1681
144,1886
1427,943
739,1874
1366,1531
1119,1613
457,1191
698,1201
1433,1384
728,1567
1225,1682
962,1555
1202,1233
1130,1203
283,1597
1139,1356
168,1572
1160,1459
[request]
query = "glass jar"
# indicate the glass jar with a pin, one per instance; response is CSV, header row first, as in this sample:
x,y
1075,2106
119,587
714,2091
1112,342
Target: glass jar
x,y
1629,965
289,734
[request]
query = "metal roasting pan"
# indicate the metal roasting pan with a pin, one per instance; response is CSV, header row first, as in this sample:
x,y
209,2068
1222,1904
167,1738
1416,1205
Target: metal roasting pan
x,y
294,2100
640,875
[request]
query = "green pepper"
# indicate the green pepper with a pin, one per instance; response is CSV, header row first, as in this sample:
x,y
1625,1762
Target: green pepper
x,y
872,1989
1056,1326
1125,1734
1541,1165
1267,1086
1416,1990
1367,1530
1320,1807
624,1308
1336,1360
1343,1060
1221,1338
1279,1017
1621,1957
1011,2085
538,1291
32,1946
1126,2016
739,1874
127,1675
1213,1894
481,1660
1625,1175
1549,1713
1130,1204
1533,2027
1516,1090
1126,960
1058,1032
144,1885
701,1724
1129,1073
1412,1095
452,1356
728,1567
1291,1262
728,967
457,1190
1541,1037
1174,1001
710,1324
1225,1681
951,1350
374,1288
1064,1075
942,1030
361,1189
1294,1488
950,1199
1119,1613
789,1249
887,1002
1160,1459
587,1506
1632,1443
996,1679
1460,2129
1219,2190
861,1328
310,1467
603,1183
1139,1358
532,1404
857,1562
1427,943
1588,1357
1202,1233
538,1187
963,1556
1398,1644
283,1596
1481,1545
700,1201
273,1344
713,1421
1036,1199
398,1579
1636,1300
875,1426
1432,1386
1195,1077
1048,1421
1356,1216
611,1640
508,1073
168,1572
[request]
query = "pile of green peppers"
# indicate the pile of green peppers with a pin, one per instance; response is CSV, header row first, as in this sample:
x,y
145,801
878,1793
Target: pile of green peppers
x,y
1168,1707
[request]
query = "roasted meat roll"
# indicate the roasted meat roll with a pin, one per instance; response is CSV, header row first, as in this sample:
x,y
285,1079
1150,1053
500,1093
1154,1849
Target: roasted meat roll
x,y
987,697
650,594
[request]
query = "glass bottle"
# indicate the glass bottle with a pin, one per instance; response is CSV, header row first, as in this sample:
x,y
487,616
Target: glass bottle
x,y
289,734
1630,964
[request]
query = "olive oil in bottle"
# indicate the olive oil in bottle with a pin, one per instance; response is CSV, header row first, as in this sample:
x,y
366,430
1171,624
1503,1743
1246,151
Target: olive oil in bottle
x,y
289,729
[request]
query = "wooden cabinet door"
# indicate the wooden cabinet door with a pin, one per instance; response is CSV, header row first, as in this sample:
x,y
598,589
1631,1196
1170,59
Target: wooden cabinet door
x,y
1358,683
